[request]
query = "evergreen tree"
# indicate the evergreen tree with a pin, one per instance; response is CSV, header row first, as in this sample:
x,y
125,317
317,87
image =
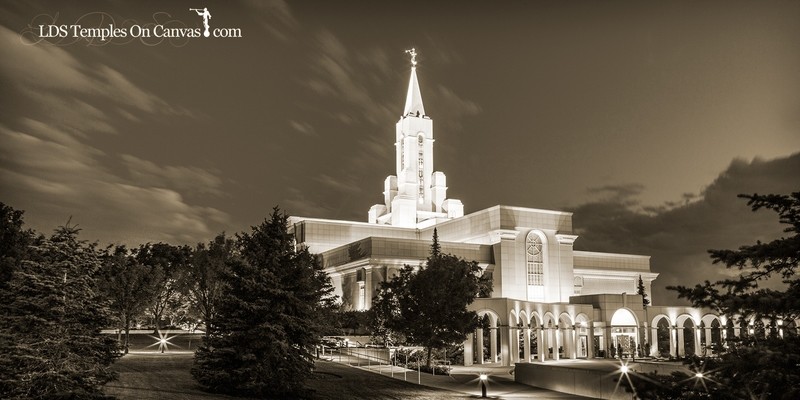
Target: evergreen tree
x,y
51,314
428,306
265,331
642,292
756,365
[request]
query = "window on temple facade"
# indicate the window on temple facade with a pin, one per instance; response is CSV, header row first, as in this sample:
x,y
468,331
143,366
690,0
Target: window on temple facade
x,y
420,168
362,296
535,259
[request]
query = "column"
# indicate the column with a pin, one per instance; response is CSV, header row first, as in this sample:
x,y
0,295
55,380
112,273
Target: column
x,y
709,338
368,287
681,344
607,340
556,342
493,345
505,346
673,341
654,342
541,344
573,343
527,344
697,347
468,349
590,338
479,339
513,344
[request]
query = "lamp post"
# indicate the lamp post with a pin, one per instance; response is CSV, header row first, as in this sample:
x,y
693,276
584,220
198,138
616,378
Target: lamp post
x,y
483,377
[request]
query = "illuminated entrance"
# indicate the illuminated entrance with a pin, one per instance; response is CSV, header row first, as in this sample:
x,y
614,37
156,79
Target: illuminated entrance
x,y
624,334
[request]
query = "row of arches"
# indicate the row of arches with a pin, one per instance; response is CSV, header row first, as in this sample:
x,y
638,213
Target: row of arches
x,y
521,331
686,336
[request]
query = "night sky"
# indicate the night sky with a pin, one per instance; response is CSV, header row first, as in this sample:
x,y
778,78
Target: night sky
x,y
646,119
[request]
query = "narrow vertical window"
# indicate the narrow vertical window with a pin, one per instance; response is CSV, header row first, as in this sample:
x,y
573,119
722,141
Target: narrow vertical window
x,y
421,168
535,259
362,296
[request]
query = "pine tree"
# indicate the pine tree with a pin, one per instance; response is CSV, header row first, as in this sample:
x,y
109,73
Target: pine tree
x,y
642,292
51,314
436,248
756,365
265,330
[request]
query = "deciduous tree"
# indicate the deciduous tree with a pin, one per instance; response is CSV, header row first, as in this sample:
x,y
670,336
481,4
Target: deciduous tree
x,y
204,278
173,264
128,286
428,305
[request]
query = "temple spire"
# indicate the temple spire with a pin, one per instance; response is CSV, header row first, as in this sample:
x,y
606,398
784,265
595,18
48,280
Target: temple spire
x,y
414,97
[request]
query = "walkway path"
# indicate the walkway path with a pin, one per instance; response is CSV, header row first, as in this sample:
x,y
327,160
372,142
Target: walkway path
x,y
500,384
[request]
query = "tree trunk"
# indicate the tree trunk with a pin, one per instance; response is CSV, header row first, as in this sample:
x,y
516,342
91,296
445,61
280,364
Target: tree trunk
x,y
429,356
127,333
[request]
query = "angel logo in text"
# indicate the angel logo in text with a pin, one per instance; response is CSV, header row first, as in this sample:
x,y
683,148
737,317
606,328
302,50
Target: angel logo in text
x,y
217,32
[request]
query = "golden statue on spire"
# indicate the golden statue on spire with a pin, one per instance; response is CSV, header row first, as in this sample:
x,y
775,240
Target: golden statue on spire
x,y
413,54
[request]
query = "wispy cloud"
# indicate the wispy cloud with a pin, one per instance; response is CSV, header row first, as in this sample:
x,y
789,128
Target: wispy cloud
x,y
184,179
304,128
50,167
275,17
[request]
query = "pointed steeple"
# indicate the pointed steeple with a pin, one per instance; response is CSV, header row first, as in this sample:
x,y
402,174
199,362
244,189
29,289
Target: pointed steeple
x,y
414,97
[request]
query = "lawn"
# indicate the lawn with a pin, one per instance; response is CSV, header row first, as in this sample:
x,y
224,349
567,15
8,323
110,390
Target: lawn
x,y
150,376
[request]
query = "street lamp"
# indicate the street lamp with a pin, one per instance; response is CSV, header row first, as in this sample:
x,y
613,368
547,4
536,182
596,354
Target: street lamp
x,y
483,377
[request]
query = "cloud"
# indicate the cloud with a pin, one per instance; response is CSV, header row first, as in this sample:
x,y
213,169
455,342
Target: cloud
x,y
40,70
54,177
457,105
334,75
183,179
679,237
274,16
51,168
304,128
345,184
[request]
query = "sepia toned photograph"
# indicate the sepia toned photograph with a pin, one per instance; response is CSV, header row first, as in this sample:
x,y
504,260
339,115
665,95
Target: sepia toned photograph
x,y
307,199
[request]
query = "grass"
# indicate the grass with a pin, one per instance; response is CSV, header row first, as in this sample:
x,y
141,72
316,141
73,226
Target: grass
x,y
151,376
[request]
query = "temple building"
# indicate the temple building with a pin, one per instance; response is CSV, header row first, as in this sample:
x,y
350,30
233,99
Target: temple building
x,y
549,301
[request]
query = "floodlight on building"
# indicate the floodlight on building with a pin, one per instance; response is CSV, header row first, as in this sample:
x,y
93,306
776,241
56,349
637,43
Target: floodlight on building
x,y
623,369
699,375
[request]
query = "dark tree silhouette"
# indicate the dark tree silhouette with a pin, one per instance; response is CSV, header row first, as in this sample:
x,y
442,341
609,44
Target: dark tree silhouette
x,y
51,314
640,291
757,365
262,339
428,306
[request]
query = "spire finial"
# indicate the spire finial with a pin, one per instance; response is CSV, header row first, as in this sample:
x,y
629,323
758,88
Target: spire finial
x,y
413,54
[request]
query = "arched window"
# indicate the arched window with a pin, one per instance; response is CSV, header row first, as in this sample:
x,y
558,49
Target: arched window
x,y
578,284
535,259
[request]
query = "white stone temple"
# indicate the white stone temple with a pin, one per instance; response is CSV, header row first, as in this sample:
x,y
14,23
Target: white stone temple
x,y
549,301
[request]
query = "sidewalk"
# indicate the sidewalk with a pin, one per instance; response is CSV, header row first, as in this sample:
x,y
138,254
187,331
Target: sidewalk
x,y
500,384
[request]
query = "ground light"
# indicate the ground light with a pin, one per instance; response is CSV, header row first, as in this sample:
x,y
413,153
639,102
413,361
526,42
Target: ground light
x,y
624,374
162,341
483,377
